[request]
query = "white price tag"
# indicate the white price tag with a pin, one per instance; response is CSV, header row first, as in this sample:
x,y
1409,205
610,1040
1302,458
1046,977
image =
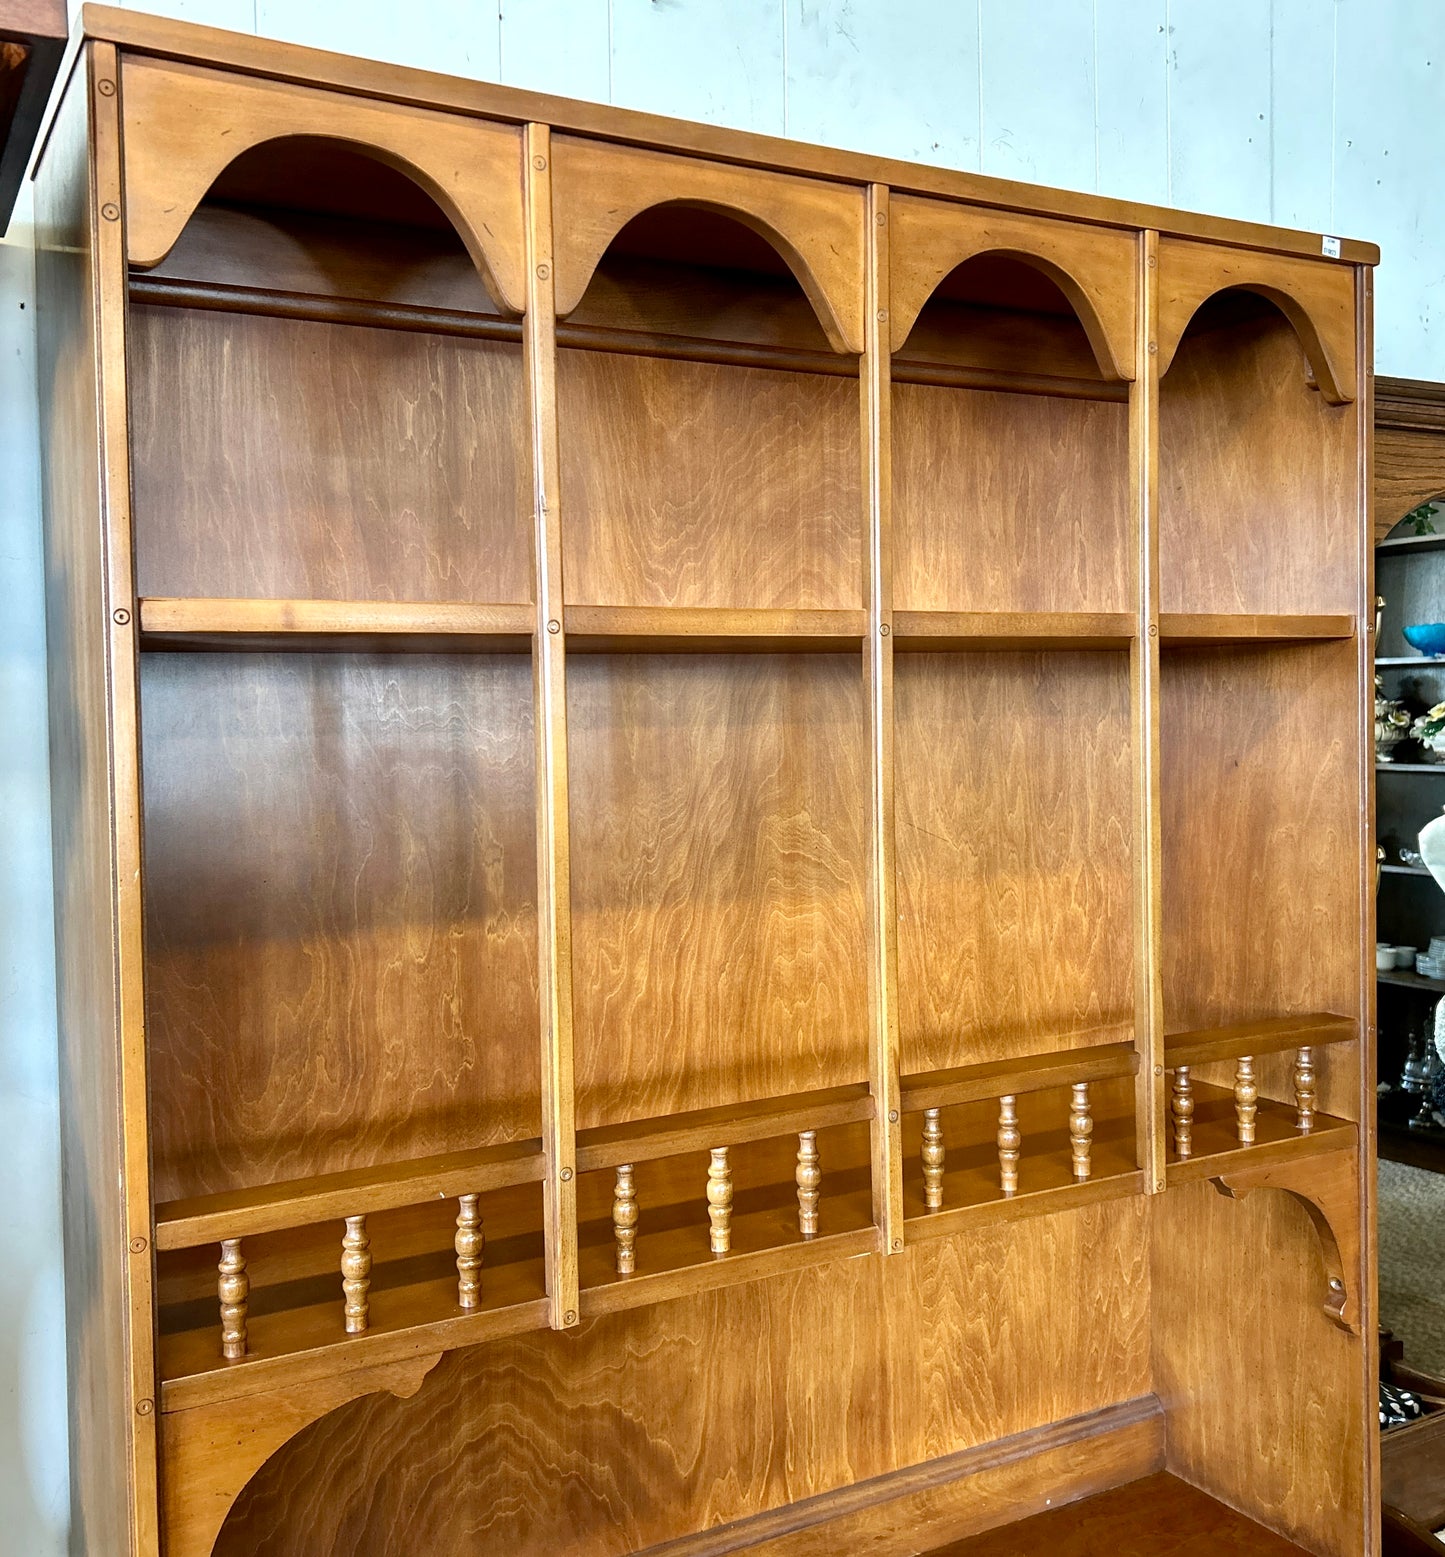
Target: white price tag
x,y
1330,248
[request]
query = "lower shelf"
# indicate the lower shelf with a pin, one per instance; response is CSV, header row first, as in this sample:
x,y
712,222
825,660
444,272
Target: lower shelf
x,y
1137,1518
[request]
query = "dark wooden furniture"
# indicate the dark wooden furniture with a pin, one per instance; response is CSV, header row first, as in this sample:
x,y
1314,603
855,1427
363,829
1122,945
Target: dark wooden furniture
x,y
32,40
710,829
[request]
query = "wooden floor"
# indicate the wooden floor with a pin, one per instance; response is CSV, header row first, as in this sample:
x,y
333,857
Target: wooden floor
x,y
1160,1516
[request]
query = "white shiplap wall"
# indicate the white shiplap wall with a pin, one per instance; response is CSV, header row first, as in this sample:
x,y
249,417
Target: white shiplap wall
x,y
1319,114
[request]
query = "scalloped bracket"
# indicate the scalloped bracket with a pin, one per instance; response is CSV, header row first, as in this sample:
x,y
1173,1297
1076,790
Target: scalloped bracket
x,y
210,1452
1329,1190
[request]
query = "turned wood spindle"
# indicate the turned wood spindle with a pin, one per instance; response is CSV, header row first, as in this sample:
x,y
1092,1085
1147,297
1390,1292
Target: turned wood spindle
x,y
720,1200
809,1177
469,1243
1081,1130
624,1219
356,1273
1009,1141
1183,1110
233,1288
1246,1099
1304,1090
932,1154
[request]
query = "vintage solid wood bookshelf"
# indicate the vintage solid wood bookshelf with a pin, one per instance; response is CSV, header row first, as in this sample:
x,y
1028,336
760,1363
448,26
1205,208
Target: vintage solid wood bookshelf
x,y
706,794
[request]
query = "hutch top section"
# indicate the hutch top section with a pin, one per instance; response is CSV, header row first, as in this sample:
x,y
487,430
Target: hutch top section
x,y
268,61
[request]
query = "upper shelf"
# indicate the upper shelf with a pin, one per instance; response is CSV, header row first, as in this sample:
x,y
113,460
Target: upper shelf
x,y
1011,1078
333,624
683,629
1182,630
953,631
1270,1036
1408,543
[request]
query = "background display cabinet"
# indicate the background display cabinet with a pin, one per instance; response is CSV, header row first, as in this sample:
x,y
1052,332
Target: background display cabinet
x,y
711,830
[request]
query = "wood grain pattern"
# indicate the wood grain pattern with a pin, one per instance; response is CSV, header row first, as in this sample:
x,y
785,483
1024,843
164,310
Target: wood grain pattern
x,y
1041,530
1093,266
815,226
1263,743
183,126
476,1456
1318,301
1296,1458
691,485
404,452
341,920
1253,514
717,880
1014,928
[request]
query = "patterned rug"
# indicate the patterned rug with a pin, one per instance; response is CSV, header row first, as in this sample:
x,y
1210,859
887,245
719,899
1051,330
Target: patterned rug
x,y
1412,1262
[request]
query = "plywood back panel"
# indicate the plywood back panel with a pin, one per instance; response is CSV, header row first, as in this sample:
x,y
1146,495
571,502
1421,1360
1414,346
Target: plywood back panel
x,y
718,825
1253,512
645,1426
1013,793
341,911
1262,1394
694,484
1261,840
1009,502
281,457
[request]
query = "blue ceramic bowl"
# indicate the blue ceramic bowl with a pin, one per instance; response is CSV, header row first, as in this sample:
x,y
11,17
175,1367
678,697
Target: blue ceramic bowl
x,y
1427,637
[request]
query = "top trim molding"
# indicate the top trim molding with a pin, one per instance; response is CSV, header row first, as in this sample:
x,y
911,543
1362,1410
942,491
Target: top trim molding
x,y
136,33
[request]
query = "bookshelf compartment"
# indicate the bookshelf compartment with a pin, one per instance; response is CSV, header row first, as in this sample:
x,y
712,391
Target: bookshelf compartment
x,y
1251,517
718,935
1014,856
341,912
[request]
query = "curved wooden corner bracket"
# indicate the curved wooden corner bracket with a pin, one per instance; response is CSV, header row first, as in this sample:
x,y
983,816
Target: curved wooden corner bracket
x,y
1093,267
1328,1188
210,1452
1317,299
817,228
184,127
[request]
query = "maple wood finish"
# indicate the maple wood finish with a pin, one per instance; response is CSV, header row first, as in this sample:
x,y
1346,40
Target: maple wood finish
x,y
667,746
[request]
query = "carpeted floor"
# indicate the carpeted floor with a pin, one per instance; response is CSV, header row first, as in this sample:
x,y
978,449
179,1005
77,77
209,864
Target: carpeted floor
x,y
1412,1262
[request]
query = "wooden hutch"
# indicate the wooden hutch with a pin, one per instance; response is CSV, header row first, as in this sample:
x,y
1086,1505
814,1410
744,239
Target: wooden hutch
x,y
712,804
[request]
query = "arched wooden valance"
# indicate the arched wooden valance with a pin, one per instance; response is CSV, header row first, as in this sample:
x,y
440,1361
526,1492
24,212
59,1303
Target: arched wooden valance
x,y
1317,299
184,127
1094,267
817,227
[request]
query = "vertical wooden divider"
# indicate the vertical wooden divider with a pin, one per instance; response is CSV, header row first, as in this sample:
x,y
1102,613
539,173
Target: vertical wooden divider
x,y
1369,993
887,1133
110,281
1144,720
549,689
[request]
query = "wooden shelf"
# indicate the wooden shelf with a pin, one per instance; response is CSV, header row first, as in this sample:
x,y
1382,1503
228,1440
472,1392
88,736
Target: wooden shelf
x,y
1216,1142
688,630
186,1224
1409,543
946,632
1405,979
1183,630
1007,1078
1270,1036
293,625
606,1146
295,1345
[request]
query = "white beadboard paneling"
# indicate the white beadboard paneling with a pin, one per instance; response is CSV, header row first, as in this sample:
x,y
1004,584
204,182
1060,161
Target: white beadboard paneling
x,y
858,78
1219,78
1302,129
234,15
716,60
458,37
1131,75
1037,89
559,46
1389,149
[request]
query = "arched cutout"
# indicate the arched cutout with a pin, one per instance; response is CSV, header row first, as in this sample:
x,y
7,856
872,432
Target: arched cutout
x,y
1092,267
1316,297
816,227
211,1452
185,127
